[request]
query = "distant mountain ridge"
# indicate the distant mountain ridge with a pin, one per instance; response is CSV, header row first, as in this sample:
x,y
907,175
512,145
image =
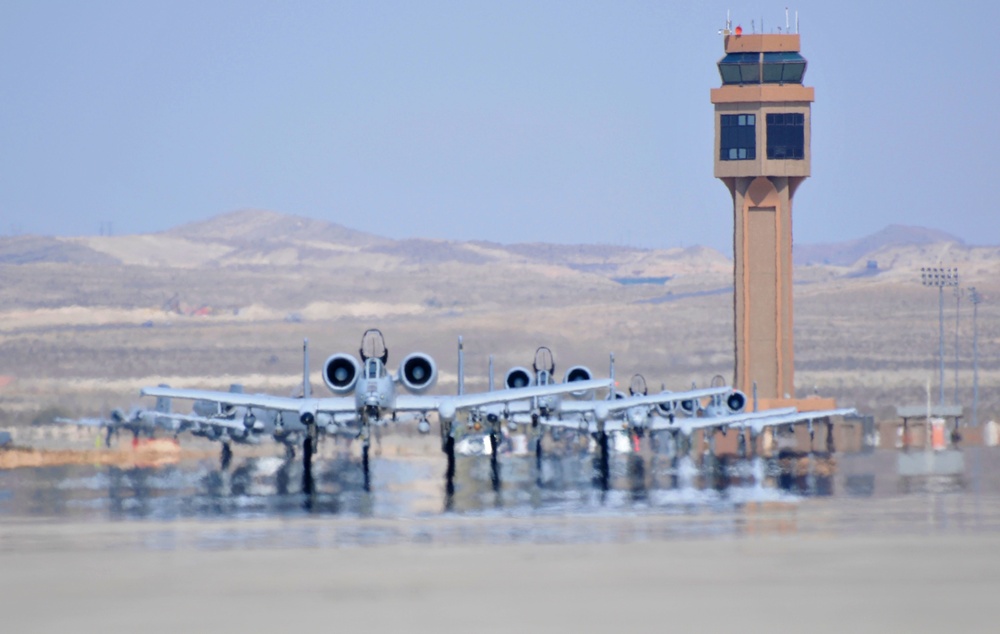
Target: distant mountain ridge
x,y
260,237
254,225
849,252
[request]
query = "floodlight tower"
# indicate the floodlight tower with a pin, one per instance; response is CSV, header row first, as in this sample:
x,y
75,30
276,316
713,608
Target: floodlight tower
x,y
762,155
940,277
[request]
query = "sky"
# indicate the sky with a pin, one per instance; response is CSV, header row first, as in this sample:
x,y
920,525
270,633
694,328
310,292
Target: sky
x,y
570,122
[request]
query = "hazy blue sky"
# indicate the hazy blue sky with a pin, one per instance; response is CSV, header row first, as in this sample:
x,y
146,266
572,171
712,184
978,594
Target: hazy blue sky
x,y
511,121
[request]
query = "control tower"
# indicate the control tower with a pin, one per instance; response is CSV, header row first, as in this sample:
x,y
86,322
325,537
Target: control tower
x,y
762,121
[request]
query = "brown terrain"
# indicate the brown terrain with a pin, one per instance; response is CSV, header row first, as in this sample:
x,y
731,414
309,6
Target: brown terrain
x,y
85,322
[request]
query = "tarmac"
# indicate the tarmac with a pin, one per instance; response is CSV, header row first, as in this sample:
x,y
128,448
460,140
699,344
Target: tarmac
x,y
859,542
773,583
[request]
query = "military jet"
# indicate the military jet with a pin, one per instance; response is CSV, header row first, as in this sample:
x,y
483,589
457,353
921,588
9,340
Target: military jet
x,y
375,399
584,412
754,422
140,421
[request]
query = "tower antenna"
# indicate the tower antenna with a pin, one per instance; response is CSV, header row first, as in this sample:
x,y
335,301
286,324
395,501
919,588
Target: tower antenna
x,y
786,19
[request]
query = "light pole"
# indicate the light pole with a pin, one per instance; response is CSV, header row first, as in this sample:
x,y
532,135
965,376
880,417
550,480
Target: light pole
x,y
938,277
975,298
958,302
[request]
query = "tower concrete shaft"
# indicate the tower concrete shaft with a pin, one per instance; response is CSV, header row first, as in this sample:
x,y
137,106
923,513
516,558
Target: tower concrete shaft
x,y
762,155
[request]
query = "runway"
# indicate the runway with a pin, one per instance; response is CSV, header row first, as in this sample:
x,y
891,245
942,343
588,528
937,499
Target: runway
x,y
818,583
851,542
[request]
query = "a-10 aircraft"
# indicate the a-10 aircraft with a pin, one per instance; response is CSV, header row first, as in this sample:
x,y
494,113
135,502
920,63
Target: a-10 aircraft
x,y
584,412
207,420
375,399
590,414
139,421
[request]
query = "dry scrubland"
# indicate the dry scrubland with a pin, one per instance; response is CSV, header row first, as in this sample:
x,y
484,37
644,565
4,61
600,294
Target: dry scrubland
x,y
85,322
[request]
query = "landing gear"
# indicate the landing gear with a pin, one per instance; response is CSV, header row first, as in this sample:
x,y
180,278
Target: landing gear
x,y
449,473
226,456
494,462
308,448
366,438
364,466
537,434
741,444
603,461
829,437
637,477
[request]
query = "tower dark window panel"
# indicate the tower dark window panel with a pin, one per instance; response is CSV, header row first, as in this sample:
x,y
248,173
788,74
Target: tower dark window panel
x,y
739,137
783,68
786,137
740,68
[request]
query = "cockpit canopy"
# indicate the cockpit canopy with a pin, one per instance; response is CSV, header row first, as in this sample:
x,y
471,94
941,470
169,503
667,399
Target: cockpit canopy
x,y
374,369
373,346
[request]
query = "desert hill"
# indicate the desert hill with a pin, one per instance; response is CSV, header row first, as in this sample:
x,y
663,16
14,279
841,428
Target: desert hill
x,y
849,252
20,250
252,225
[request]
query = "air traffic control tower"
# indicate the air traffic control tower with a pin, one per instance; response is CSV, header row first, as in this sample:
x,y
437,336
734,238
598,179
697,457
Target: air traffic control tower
x,y
762,119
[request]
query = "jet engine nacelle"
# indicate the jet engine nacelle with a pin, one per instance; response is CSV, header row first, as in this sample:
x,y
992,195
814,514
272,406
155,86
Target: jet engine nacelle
x,y
579,373
691,407
340,373
736,401
665,409
418,372
518,377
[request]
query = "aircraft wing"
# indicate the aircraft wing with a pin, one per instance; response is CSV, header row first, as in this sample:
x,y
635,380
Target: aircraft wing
x,y
262,401
447,404
204,420
582,407
758,424
86,422
707,422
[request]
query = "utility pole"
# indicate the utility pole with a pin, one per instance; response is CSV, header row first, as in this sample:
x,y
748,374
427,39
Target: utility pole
x,y
976,298
937,277
958,302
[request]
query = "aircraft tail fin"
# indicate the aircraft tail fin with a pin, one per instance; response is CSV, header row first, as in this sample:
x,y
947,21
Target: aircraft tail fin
x,y
491,373
163,402
306,388
611,375
461,367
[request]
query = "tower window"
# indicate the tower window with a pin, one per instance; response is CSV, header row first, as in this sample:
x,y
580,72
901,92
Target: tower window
x,y
740,68
786,136
783,68
739,137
